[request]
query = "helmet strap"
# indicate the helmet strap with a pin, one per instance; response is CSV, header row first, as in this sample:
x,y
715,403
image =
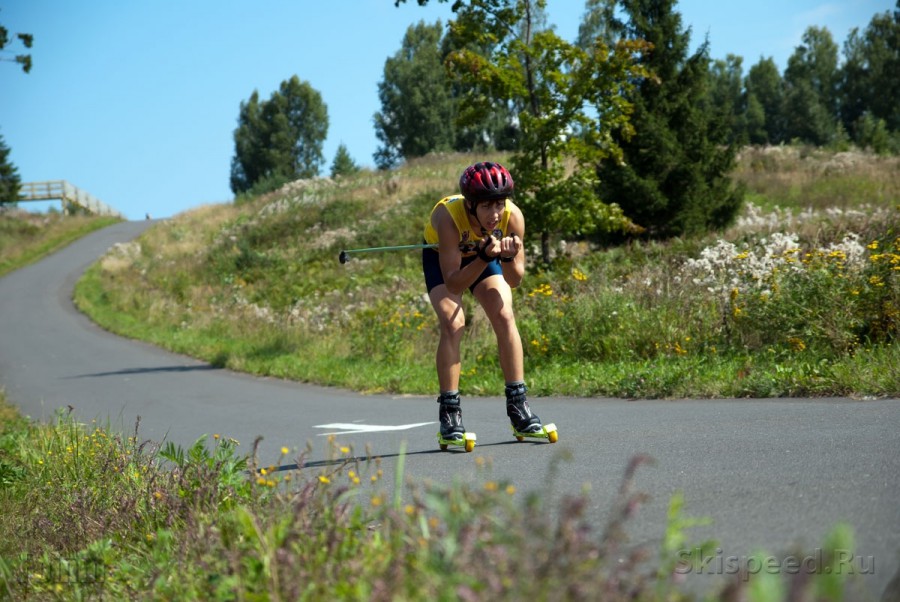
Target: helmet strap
x,y
471,207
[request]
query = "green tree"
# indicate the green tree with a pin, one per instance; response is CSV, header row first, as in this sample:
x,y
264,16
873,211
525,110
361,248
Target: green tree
x,y
765,102
869,85
727,98
280,139
343,164
674,177
420,103
811,89
417,104
27,41
9,176
568,101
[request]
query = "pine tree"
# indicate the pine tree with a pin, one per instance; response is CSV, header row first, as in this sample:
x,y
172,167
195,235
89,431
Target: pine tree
x,y
9,176
343,164
673,180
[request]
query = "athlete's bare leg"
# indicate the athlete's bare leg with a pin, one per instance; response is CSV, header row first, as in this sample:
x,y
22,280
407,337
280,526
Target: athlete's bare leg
x,y
495,297
449,310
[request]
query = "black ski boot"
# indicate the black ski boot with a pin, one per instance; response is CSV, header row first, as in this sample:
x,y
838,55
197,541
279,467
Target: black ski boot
x,y
450,416
523,421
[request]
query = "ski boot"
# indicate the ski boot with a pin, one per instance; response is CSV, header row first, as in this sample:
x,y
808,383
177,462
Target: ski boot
x,y
452,430
524,422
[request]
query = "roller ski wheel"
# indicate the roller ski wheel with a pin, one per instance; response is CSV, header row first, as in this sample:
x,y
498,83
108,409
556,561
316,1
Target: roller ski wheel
x,y
548,432
467,442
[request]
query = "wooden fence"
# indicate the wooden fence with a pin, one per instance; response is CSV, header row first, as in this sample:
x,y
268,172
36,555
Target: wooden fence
x,y
72,198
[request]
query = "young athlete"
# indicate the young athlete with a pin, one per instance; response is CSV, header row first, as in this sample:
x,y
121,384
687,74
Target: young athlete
x,y
485,216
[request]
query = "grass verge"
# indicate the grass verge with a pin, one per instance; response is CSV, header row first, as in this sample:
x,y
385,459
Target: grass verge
x,y
89,514
27,237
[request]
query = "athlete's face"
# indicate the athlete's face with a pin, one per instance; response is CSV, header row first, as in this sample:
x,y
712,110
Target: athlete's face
x,y
490,213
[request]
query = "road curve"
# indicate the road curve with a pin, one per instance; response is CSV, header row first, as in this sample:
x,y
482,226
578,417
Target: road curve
x,y
771,474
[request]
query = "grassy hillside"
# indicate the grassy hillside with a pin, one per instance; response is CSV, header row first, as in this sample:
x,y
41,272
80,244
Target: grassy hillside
x,y
800,297
26,237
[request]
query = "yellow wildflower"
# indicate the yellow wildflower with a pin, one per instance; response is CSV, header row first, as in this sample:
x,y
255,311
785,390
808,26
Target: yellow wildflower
x,y
796,344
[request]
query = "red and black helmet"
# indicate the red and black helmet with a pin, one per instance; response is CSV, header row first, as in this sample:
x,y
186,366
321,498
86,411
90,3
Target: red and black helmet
x,y
486,181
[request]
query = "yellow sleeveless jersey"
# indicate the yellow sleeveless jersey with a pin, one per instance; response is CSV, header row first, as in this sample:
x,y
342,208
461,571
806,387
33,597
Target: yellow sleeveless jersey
x,y
455,205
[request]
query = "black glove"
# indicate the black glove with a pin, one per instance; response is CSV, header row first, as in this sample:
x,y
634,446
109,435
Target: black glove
x,y
482,249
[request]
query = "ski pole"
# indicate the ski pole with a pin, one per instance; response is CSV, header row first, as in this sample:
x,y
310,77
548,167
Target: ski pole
x,y
344,256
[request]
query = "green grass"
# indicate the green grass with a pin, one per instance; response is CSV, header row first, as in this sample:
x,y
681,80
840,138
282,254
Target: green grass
x,y
257,287
27,237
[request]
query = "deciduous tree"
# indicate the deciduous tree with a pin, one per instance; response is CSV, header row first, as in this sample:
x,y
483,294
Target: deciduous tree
x,y
420,104
811,89
281,138
417,104
26,39
567,101
869,84
765,87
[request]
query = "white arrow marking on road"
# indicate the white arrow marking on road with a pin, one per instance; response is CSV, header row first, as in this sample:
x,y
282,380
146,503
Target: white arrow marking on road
x,y
353,429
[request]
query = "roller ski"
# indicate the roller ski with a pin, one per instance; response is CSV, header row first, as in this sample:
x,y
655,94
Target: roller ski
x,y
524,423
452,430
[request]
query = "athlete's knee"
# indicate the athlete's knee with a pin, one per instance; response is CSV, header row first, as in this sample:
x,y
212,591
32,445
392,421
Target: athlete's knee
x,y
453,326
502,316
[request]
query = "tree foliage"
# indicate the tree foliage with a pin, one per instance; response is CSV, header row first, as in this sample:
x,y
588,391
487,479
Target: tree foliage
x,y
26,39
822,98
417,105
343,164
279,139
663,132
420,103
10,182
870,86
567,101
727,98
811,89
765,97
674,178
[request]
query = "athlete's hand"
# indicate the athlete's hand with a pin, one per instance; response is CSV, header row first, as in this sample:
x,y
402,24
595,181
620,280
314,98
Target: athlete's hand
x,y
490,248
510,246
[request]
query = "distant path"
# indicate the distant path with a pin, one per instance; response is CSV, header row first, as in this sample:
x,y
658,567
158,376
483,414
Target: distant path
x,y
771,473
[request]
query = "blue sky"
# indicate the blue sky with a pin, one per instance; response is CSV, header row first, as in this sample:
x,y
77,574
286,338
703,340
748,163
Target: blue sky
x,y
136,101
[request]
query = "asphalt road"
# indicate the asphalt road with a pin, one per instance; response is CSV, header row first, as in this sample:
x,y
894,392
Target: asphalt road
x,y
773,475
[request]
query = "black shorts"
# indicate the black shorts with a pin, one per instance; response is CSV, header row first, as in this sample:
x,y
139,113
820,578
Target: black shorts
x,y
431,267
